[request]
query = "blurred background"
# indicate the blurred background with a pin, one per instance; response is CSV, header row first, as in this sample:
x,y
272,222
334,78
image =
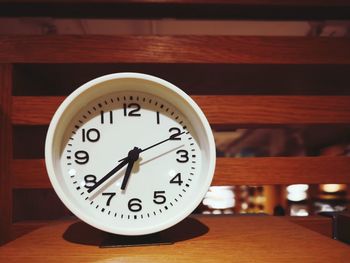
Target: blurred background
x,y
237,142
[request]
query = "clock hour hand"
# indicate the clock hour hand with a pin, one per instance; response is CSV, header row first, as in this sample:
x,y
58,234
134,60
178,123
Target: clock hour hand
x,y
107,176
154,145
133,156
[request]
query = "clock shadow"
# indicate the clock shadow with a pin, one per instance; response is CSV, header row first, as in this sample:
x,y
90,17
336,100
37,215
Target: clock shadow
x,y
84,234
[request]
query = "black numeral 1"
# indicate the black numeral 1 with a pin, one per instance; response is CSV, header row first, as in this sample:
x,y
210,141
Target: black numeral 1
x,y
158,118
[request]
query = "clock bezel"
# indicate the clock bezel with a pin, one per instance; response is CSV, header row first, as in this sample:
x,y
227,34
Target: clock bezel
x,y
151,85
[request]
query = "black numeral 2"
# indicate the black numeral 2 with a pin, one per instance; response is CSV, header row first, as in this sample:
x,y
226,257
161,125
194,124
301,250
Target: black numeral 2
x,y
174,135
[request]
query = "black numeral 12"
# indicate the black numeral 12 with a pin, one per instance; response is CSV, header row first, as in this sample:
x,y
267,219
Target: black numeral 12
x,y
134,109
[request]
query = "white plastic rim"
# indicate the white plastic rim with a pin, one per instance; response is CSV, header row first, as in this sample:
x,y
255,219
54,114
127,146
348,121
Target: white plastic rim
x,y
71,106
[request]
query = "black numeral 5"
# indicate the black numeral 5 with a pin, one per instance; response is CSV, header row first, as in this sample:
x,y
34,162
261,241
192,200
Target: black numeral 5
x,y
159,197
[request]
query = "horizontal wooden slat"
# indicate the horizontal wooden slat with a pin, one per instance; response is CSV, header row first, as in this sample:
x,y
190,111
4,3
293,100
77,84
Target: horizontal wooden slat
x,y
229,171
186,2
319,224
174,49
25,227
200,9
222,109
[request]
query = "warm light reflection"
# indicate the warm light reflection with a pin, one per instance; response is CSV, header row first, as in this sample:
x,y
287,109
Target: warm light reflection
x,y
219,197
333,188
296,210
297,192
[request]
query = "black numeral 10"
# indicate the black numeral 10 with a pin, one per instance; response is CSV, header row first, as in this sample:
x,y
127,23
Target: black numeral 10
x,y
91,135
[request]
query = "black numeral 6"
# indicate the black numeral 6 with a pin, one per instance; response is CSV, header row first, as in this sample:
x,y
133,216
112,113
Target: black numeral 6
x,y
134,205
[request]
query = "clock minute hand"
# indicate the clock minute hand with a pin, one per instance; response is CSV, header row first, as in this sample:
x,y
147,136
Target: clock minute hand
x,y
156,144
107,176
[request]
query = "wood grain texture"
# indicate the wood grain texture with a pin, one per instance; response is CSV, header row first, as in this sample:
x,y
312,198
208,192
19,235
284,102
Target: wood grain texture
x,y
24,227
220,110
197,239
5,152
229,171
319,224
174,49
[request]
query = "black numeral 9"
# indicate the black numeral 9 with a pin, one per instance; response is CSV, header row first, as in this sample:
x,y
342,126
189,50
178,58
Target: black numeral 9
x,y
81,157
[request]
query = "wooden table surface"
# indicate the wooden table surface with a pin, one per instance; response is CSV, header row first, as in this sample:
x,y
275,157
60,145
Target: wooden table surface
x,y
197,239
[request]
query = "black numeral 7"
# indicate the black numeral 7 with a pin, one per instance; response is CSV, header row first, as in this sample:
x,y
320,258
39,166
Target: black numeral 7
x,y
111,195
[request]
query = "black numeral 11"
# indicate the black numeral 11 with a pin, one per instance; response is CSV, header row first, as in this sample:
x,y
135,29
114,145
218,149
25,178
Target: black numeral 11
x,y
103,117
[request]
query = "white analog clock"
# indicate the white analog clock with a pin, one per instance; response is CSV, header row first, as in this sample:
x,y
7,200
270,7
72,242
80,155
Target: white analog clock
x,y
130,153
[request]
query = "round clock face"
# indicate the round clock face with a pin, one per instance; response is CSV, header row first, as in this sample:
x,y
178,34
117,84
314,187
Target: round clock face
x,y
130,154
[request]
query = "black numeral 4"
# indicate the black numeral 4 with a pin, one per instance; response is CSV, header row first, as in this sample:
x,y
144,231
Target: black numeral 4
x,y
176,179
